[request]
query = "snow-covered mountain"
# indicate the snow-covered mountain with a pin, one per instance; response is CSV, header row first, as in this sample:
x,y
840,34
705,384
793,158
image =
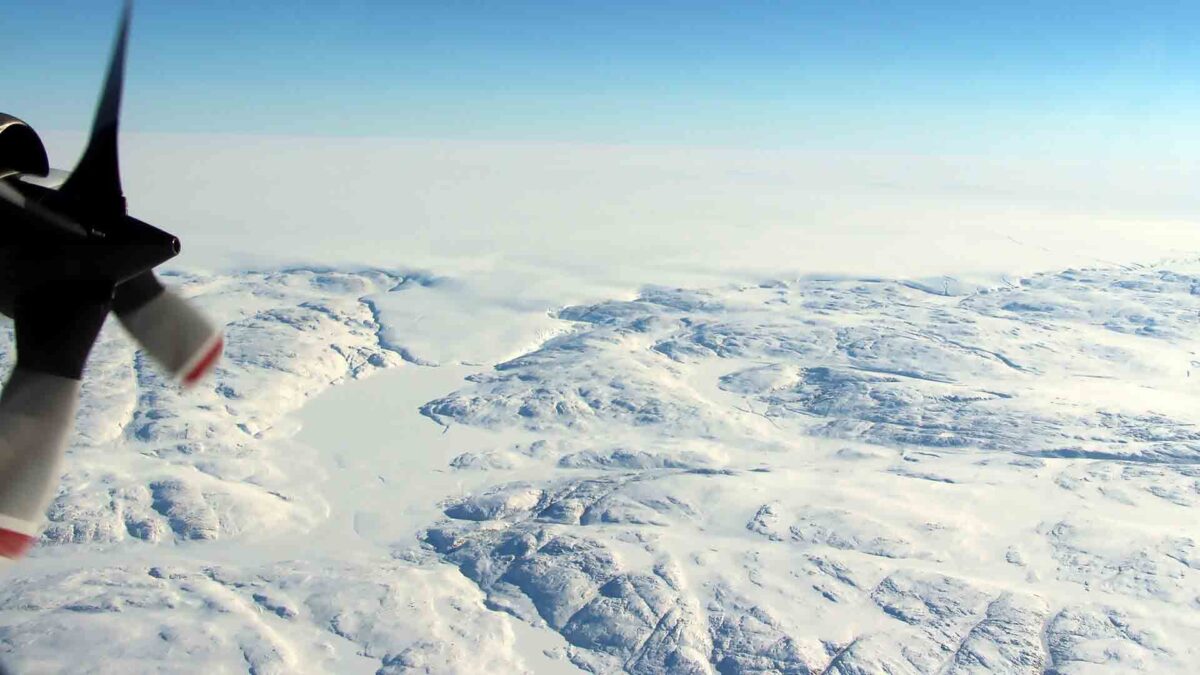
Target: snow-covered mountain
x,y
834,475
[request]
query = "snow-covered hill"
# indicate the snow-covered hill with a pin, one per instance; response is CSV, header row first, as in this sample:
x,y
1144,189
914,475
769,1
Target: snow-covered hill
x,y
780,476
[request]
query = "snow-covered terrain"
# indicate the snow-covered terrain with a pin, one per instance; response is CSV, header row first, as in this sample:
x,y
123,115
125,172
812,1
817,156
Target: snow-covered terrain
x,y
394,472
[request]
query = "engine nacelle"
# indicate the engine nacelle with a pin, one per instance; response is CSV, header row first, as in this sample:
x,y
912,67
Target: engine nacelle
x,y
21,150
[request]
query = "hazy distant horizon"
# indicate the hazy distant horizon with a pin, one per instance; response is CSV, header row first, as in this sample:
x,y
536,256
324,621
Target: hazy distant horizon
x,y
638,214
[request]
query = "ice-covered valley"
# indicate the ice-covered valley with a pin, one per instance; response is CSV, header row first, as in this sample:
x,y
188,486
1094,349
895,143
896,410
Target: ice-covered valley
x,y
771,475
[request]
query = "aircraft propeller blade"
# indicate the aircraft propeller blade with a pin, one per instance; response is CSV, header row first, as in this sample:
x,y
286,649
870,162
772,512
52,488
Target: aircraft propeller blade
x,y
115,248
96,180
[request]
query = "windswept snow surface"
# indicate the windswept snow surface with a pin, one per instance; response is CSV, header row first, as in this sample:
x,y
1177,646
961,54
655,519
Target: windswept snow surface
x,y
786,475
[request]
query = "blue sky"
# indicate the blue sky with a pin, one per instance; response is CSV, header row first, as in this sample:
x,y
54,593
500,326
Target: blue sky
x,y
1070,79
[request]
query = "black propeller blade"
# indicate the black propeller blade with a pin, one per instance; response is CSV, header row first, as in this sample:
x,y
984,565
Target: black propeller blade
x,y
95,183
80,236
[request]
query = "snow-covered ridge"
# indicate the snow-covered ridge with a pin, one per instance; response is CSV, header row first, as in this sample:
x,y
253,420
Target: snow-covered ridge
x,y
850,476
